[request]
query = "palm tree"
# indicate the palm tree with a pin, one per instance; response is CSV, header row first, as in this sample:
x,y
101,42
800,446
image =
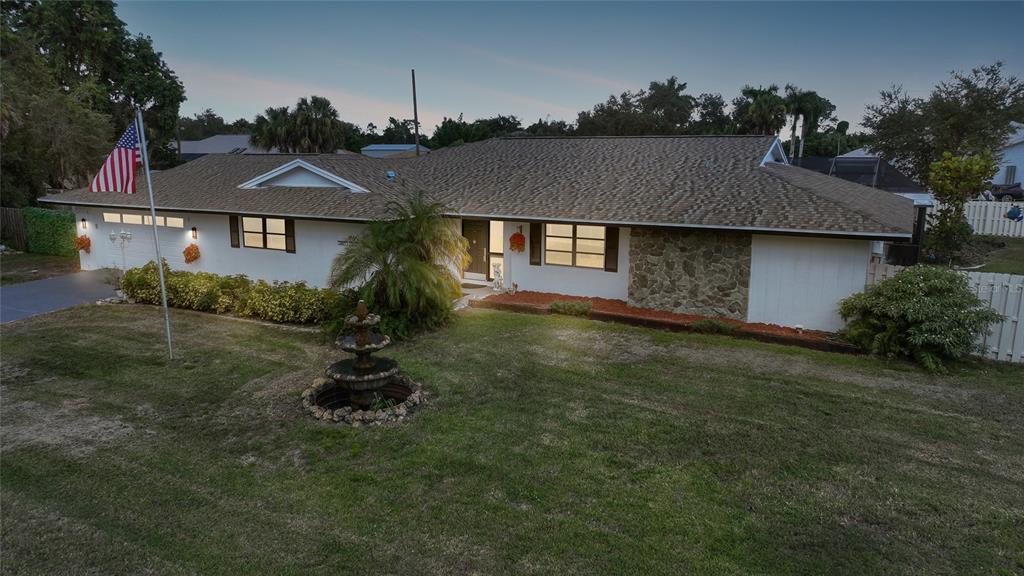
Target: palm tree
x,y
406,264
317,126
272,129
795,100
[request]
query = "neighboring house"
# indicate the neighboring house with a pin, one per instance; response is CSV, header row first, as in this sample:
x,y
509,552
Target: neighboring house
x,y
220,144
711,225
1012,157
392,150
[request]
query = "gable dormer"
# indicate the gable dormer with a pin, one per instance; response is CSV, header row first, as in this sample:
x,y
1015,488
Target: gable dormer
x,y
775,155
301,174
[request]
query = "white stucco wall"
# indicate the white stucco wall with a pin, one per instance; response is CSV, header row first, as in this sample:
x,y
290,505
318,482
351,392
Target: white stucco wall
x,y
316,244
567,280
1012,156
796,281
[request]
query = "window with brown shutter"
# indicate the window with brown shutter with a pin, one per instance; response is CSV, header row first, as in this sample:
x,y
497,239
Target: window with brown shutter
x,y
289,236
233,219
536,237
611,249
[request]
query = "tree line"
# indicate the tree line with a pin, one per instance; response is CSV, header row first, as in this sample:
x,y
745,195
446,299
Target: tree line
x,y
73,74
969,113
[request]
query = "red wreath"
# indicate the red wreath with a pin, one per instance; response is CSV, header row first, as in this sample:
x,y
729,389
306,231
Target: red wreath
x,y
83,243
517,242
191,253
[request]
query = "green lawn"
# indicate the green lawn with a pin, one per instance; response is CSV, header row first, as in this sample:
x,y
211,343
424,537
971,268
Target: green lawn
x,y
23,267
550,445
1008,259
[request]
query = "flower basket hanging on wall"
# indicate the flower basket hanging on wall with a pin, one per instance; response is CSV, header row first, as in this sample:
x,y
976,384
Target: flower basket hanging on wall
x,y
83,243
191,253
517,242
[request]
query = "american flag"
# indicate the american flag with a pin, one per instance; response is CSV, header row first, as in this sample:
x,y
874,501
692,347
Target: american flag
x,y
118,172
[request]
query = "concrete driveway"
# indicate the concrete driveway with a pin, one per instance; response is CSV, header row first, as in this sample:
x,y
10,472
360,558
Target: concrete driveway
x,y
19,301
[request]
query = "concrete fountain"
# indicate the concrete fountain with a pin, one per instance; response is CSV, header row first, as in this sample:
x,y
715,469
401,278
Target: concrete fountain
x,y
366,389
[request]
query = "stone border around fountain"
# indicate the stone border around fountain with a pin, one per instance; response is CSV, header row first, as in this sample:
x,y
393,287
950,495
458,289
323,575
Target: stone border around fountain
x,y
356,418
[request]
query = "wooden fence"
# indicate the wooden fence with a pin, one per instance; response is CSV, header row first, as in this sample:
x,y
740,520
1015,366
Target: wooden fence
x,y
12,228
1004,293
990,218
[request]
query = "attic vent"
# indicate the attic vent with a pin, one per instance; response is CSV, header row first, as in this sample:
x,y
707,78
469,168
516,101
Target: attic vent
x,y
391,175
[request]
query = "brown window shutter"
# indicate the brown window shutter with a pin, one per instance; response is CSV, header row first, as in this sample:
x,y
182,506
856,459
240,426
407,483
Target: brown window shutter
x,y
289,236
234,230
536,241
611,249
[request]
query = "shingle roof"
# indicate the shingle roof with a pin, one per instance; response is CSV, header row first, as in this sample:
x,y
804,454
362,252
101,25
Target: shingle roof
x,y
706,181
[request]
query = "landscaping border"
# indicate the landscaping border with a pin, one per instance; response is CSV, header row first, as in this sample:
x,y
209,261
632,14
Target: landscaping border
x,y
741,331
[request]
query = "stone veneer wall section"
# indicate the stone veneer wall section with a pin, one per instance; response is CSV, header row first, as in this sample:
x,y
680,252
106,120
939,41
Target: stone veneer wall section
x,y
689,271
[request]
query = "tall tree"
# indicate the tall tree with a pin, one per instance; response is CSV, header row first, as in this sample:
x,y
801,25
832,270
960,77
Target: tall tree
x,y
544,127
313,127
50,136
90,52
968,114
272,129
808,107
455,131
711,116
669,104
398,132
664,108
759,110
316,126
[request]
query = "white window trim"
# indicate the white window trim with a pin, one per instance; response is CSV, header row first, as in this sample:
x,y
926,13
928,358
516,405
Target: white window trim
x,y
298,163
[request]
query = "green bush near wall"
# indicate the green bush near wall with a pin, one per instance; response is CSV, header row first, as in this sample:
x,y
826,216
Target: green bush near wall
x,y
291,302
50,231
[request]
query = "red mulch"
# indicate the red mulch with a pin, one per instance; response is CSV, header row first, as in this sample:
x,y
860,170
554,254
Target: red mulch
x,y
619,311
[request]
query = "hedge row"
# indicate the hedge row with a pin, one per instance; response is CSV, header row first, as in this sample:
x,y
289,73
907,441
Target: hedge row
x,y
50,231
292,302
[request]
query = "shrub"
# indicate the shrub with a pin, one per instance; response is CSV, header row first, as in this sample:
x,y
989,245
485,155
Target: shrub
x,y
926,313
50,232
293,302
570,307
712,326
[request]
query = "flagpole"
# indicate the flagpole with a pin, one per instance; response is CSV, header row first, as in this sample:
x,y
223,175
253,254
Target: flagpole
x,y
156,236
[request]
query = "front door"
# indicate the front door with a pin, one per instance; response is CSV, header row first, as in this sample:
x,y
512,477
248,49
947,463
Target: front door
x,y
476,231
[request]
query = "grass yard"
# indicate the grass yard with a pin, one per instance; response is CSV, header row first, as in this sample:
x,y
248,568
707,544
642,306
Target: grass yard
x,y
1007,258
551,445
23,267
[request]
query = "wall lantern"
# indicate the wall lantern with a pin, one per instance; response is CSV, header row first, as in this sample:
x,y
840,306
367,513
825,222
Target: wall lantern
x,y
195,233
85,225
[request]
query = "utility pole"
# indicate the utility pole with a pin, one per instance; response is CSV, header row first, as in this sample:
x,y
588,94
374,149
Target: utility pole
x,y
415,113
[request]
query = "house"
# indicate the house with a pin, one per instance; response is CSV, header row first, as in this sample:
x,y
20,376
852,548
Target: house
x,y
220,144
1012,157
712,225
392,150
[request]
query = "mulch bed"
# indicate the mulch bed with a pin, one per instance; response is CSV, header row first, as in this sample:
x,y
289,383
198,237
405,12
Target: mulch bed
x,y
618,311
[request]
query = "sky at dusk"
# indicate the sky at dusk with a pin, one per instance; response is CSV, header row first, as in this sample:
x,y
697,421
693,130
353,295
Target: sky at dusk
x,y
552,60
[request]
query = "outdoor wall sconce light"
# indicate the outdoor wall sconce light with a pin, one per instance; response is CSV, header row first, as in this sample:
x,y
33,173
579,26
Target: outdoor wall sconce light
x,y
85,225
195,233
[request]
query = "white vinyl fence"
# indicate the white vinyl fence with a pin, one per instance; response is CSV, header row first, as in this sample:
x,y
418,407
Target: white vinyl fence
x,y
1004,293
990,218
